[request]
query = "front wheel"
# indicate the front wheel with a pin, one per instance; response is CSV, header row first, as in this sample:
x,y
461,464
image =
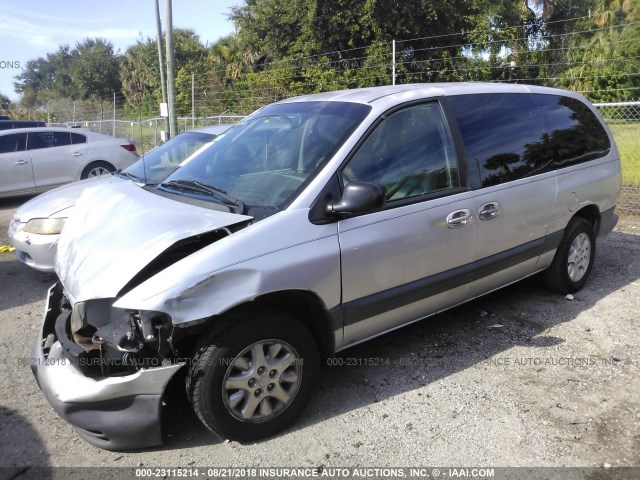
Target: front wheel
x,y
573,260
252,380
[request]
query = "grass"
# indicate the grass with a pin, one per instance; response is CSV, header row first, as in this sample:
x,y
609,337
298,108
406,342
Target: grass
x,y
627,138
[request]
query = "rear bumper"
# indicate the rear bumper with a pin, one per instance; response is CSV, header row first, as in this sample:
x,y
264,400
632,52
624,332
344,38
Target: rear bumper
x,y
115,413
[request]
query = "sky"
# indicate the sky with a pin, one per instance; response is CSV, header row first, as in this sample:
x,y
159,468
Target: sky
x,y
32,28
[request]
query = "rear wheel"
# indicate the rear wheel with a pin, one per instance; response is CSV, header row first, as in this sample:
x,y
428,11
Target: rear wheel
x,y
573,260
254,378
95,169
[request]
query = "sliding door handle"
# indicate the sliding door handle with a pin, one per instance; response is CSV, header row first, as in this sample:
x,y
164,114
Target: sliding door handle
x,y
489,210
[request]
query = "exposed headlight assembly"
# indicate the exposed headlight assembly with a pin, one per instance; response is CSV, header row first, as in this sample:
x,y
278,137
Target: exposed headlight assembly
x,y
45,226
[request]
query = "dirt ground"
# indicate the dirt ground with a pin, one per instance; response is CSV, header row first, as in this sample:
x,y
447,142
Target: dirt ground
x,y
521,377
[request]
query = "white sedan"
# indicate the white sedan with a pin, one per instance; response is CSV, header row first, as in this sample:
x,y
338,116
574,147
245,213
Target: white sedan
x,y
36,225
33,160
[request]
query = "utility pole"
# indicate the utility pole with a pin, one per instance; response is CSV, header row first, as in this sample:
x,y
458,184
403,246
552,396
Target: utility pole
x,y
171,83
163,81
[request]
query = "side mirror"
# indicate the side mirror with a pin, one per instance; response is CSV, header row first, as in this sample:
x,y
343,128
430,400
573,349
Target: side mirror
x,y
358,197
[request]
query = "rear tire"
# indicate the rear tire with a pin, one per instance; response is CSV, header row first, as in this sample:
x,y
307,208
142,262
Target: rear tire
x,y
251,380
95,169
573,260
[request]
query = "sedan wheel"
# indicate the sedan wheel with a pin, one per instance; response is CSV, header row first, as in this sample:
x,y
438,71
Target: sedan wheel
x,y
96,172
95,169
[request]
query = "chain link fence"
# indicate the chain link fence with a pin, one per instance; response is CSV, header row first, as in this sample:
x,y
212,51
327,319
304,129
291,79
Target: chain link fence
x,y
147,134
115,117
624,121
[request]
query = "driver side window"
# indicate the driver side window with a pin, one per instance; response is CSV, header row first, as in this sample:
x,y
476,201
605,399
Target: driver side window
x,y
410,154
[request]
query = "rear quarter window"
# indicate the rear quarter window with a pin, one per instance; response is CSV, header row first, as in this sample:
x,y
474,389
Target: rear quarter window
x,y
574,133
512,136
78,138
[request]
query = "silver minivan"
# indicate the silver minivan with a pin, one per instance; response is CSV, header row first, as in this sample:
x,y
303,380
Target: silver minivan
x,y
315,224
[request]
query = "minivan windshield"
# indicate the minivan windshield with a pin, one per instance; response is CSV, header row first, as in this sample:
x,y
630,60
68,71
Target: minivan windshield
x,y
161,161
263,162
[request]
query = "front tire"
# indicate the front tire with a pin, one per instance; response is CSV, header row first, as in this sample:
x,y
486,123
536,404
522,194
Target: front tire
x,y
251,381
573,260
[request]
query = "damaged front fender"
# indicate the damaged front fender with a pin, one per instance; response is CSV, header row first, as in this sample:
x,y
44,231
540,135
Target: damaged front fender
x,y
209,296
194,289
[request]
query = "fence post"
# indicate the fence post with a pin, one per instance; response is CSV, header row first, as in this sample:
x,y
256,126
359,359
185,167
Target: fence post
x,y
393,63
114,114
193,104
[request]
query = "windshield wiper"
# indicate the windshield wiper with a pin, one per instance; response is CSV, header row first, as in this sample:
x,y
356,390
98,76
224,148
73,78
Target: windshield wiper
x,y
133,177
197,186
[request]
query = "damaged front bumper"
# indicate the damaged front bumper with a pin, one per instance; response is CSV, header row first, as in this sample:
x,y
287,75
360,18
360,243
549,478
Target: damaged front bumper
x,y
115,413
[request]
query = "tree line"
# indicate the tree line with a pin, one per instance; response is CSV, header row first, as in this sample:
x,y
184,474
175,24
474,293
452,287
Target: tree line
x,y
288,47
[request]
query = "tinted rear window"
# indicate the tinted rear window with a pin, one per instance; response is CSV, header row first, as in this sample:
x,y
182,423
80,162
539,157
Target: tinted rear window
x,y
512,136
497,130
78,138
575,134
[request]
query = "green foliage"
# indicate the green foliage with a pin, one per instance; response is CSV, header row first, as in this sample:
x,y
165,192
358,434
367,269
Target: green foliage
x,y
190,59
605,61
5,103
89,70
340,44
289,47
94,69
140,78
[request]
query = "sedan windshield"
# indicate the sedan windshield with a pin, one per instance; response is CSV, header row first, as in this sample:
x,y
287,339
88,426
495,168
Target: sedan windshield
x,y
161,161
262,163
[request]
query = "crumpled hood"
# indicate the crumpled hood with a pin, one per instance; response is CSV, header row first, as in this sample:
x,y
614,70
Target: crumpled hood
x,y
118,229
54,201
